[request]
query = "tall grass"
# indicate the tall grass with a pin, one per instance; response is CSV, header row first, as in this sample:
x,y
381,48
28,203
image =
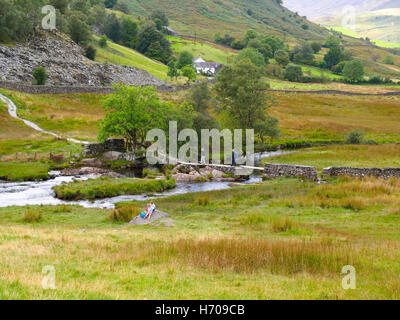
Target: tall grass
x,y
250,255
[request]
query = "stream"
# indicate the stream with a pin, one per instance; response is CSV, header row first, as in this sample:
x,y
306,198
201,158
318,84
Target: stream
x,y
41,193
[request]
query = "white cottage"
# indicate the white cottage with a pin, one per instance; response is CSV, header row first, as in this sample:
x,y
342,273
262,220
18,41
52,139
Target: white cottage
x,y
208,68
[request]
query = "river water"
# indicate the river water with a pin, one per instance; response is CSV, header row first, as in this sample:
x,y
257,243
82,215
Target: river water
x,y
41,193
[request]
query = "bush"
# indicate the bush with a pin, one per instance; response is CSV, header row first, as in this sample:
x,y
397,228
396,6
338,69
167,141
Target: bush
x,y
293,73
90,53
40,76
355,137
124,214
103,41
31,216
389,60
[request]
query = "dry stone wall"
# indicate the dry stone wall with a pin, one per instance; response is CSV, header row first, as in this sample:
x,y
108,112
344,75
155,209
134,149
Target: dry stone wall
x,y
361,172
288,170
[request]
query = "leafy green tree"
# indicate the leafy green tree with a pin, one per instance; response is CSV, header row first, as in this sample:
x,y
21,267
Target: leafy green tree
x,y
110,3
189,72
274,43
316,46
160,15
103,41
200,97
250,35
39,76
355,137
353,71
185,59
333,57
303,54
132,112
267,128
282,58
241,93
173,71
253,55
147,35
112,28
237,44
129,30
338,69
332,41
79,30
293,73
61,5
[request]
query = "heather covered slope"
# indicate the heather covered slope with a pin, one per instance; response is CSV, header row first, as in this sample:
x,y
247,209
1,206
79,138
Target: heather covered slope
x,y
207,17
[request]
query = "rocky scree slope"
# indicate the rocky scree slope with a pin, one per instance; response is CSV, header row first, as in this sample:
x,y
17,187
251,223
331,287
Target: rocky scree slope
x,y
65,64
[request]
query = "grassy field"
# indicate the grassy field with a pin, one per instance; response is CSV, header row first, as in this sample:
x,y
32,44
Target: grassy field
x,y
118,54
209,52
344,155
242,243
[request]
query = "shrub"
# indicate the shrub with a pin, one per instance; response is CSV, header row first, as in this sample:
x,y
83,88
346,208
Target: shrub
x,y
31,216
355,137
103,41
39,76
90,53
293,73
353,71
124,214
389,60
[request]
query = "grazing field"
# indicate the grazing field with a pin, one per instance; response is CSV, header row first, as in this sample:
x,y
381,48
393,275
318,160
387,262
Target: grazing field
x,y
209,52
118,54
380,156
314,116
243,243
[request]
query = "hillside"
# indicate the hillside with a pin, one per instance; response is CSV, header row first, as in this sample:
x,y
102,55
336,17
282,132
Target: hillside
x,y
65,64
207,17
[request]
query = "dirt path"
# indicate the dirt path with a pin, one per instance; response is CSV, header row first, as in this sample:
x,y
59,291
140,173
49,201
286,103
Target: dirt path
x,y
12,110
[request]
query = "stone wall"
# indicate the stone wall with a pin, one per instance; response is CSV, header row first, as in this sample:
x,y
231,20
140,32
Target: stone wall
x,y
94,149
32,89
287,170
361,172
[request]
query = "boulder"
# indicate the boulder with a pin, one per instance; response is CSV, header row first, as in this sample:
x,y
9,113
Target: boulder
x,y
92,162
112,155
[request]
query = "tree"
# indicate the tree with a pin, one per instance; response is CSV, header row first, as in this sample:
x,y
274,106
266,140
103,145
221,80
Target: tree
x,y
160,15
39,76
61,5
112,28
189,72
110,3
185,59
282,58
333,57
316,46
338,69
353,71
172,70
293,73
132,112
79,30
129,30
250,35
267,128
103,41
237,44
253,55
332,41
241,93
303,54
90,53
274,43
147,35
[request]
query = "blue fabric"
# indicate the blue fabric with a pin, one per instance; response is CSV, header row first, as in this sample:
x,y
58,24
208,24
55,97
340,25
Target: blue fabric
x,y
143,215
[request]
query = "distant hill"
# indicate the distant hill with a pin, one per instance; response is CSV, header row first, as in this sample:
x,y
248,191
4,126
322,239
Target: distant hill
x,y
206,17
314,9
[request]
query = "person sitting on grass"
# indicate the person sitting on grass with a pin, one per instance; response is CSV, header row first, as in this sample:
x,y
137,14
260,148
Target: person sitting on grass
x,y
151,208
